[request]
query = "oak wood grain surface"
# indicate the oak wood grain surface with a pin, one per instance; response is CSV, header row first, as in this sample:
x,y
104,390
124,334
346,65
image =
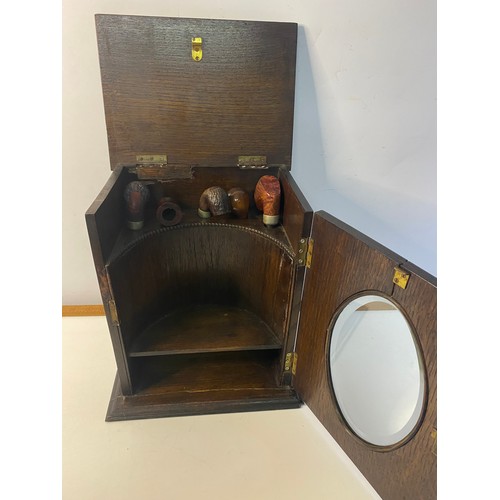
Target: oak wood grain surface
x,y
237,100
105,219
345,262
200,265
195,402
223,263
205,328
204,372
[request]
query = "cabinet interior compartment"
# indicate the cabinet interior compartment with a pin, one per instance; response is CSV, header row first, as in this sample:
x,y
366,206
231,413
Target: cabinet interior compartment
x,y
204,310
237,372
202,288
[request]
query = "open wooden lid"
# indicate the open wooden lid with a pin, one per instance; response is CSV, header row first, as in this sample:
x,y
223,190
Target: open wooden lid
x,y
237,100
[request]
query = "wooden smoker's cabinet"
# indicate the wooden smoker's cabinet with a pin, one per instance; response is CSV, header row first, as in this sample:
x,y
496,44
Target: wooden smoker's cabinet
x,y
226,314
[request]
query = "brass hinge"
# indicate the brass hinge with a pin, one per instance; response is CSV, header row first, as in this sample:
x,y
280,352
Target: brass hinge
x,y
291,362
149,166
400,277
156,167
252,161
304,256
151,159
113,313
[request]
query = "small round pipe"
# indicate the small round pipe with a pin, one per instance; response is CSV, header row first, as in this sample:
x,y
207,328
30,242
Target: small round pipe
x,y
213,201
239,201
267,199
168,212
136,195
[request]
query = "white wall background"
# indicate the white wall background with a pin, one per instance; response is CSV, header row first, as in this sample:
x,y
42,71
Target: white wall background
x,y
365,117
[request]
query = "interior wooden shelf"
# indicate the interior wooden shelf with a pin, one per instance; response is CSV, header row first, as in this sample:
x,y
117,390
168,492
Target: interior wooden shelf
x,y
209,328
128,237
228,371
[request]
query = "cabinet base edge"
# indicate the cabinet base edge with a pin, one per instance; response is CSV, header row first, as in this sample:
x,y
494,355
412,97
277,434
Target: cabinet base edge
x,y
211,402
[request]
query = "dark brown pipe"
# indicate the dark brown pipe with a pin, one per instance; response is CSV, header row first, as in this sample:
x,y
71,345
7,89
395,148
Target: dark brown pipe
x,y
168,212
239,201
213,201
136,195
267,199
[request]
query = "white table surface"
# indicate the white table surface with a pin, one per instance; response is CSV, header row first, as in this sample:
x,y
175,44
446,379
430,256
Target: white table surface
x,y
282,454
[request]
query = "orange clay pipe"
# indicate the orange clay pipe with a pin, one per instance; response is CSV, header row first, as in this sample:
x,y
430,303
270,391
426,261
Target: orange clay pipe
x,y
267,199
239,201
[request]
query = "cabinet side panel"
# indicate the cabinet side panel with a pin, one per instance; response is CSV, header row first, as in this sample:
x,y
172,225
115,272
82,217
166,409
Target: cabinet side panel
x,y
344,263
104,221
105,217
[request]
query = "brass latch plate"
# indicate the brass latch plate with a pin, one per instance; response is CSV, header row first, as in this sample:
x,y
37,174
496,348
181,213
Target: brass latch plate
x,y
400,277
196,50
291,362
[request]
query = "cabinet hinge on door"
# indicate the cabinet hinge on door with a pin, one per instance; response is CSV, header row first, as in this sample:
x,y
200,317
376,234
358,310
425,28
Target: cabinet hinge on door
x,y
291,362
304,256
113,313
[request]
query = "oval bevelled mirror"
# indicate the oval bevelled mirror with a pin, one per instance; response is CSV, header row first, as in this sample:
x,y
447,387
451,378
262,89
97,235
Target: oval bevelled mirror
x,y
377,373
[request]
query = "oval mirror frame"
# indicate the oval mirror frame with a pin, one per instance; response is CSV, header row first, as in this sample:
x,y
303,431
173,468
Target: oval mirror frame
x,y
423,381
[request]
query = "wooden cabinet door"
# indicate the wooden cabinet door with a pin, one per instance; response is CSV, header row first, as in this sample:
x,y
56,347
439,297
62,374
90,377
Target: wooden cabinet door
x,y
346,263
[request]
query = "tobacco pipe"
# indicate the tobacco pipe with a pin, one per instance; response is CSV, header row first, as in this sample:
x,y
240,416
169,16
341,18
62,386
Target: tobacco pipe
x,y
168,212
136,195
239,201
267,199
213,201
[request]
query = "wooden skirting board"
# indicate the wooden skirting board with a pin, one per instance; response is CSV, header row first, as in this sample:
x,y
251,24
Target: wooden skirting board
x,y
86,310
